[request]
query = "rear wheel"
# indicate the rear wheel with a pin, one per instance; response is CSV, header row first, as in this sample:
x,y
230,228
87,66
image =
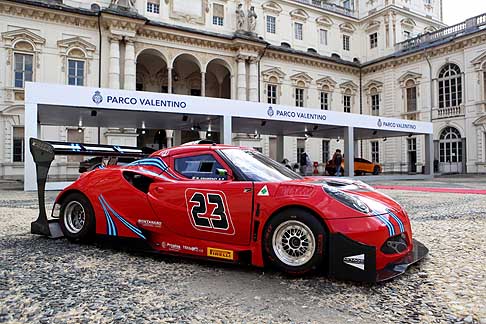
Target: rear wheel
x,y
376,170
77,218
294,242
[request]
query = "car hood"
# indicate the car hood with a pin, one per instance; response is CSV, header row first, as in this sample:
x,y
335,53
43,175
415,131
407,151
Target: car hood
x,y
378,202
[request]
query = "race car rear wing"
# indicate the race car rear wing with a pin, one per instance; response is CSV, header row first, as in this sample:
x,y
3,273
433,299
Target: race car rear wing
x,y
43,153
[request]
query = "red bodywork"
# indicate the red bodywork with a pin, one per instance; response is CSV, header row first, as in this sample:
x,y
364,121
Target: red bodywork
x,y
170,217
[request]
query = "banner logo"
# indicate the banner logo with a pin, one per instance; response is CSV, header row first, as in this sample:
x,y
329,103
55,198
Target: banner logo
x,y
270,112
97,98
379,123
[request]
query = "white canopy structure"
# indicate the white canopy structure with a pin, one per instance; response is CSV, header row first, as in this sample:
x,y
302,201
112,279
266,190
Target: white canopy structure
x,y
61,105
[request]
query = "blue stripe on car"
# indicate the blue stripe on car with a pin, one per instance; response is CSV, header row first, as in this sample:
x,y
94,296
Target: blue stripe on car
x,y
110,224
384,220
398,220
131,227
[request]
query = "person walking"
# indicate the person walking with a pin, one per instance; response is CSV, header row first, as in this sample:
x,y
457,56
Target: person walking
x,y
337,159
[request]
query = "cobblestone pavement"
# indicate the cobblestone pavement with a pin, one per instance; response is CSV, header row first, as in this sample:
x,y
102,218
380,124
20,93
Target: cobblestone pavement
x,y
54,281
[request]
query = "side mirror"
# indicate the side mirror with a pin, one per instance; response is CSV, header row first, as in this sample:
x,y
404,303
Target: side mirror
x,y
222,172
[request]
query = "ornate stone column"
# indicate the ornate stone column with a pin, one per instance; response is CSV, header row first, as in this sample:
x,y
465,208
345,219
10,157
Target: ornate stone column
x,y
169,80
169,133
253,80
130,67
203,84
241,78
114,69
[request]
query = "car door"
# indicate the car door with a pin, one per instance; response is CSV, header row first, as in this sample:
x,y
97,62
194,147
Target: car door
x,y
207,204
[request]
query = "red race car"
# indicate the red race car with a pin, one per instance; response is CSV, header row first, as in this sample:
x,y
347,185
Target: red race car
x,y
233,204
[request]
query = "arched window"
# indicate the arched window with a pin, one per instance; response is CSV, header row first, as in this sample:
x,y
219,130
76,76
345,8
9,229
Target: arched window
x,y
450,86
450,145
76,67
375,102
23,63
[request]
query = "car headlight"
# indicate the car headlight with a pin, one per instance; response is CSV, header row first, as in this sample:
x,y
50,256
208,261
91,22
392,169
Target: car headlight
x,y
347,199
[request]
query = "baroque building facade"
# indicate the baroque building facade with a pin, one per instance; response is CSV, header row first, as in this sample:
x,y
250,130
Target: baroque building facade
x,y
391,58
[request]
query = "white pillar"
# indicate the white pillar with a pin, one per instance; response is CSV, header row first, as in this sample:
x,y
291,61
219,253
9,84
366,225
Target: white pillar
x,y
241,78
114,71
130,67
280,148
169,80
429,155
202,134
226,130
253,80
203,84
349,151
30,130
169,134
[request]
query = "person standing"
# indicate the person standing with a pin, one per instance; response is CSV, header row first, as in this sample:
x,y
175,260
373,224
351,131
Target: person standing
x,y
337,159
303,163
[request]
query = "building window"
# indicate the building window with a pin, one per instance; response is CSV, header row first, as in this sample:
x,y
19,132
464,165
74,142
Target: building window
x,y
18,144
272,94
375,105
484,82
347,103
374,40
411,96
153,7
75,72
298,31
375,151
347,4
323,36
325,151
23,69
450,86
299,97
271,24
346,40
324,100
407,34
218,14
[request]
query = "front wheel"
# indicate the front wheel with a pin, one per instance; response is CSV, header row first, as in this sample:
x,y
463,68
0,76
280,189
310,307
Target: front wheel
x,y
77,219
294,242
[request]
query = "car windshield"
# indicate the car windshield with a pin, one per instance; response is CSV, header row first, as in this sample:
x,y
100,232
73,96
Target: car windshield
x,y
258,167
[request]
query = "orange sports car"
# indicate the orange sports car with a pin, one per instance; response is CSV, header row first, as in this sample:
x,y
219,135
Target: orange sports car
x,y
361,166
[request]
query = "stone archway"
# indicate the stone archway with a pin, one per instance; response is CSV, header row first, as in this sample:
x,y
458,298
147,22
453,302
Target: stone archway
x,y
450,151
152,71
186,76
218,79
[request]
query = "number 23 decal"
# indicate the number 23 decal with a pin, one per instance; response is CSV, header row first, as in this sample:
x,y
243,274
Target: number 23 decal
x,y
208,211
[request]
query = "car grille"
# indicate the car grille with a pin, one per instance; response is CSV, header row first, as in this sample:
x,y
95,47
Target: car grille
x,y
395,244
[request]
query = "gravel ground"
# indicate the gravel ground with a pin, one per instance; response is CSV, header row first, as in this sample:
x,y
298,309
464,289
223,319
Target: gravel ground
x,y
54,281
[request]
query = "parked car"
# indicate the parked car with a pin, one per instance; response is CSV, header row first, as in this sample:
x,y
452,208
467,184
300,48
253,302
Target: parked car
x,y
235,204
361,166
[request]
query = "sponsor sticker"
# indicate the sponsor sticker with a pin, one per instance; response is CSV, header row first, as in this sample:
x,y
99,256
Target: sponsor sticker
x,y
221,254
195,249
356,261
149,223
264,191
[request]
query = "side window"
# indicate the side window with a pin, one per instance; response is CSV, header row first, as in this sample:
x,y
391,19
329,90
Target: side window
x,y
199,167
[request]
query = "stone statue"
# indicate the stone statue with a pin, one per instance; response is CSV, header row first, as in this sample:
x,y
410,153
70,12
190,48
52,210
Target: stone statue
x,y
240,17
124,4
252,17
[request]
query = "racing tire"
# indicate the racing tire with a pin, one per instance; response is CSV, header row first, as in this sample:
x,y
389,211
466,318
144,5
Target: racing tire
x,y
293,242
77,220
376,170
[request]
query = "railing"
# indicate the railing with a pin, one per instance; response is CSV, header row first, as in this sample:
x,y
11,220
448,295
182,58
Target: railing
x,y
322,4
465,27
448,112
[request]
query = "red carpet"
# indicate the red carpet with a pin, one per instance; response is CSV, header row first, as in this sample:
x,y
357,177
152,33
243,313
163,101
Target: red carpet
x,y
429,189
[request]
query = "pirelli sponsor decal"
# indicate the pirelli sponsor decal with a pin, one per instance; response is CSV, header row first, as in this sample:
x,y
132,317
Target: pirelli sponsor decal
x,y
221,254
